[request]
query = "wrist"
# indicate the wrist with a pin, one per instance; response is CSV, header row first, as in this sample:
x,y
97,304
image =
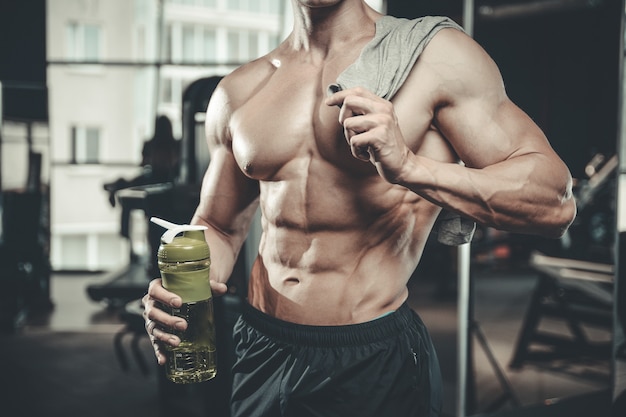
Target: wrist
x,y
414,173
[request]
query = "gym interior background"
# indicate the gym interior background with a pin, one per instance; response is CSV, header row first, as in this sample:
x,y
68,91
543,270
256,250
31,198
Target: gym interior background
x,y
82,83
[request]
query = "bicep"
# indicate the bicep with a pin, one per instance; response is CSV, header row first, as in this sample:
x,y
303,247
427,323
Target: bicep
x,y
486,131
474,113
505,143
228,198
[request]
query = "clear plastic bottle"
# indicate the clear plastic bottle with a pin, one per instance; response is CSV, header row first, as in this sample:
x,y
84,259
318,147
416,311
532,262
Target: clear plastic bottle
x,y
185,262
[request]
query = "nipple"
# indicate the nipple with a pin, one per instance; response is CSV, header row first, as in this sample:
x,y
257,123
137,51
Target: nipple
x,y
248,169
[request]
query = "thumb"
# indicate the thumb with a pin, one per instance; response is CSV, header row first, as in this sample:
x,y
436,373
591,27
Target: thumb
x,y
218,288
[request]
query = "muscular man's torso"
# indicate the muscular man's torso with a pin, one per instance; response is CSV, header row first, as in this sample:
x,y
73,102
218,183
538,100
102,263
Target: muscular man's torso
x,y
339,243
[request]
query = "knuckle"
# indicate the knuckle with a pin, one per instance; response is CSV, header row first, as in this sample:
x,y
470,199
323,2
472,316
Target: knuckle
x,y
387,106
156,345
385,119
347,103
153,285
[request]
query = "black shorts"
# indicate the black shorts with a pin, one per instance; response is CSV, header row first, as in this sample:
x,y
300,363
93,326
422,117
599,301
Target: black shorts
x,y
384,367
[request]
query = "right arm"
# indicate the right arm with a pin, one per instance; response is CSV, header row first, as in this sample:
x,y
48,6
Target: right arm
x,y
228,199
228,202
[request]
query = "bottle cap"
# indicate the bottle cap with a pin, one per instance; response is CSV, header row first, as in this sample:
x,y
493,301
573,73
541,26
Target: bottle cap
x,y
190,285
191,246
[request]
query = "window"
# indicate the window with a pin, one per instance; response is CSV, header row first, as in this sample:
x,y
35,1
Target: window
x,y
196,44
189,42
85,145
205,3
83,42
167,94
210,45
233,46
253,45
243,45
141,42
256,6
274,7
234,4
168,43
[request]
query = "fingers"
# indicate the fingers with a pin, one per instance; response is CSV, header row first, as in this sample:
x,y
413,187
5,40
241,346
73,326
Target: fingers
x,y
150,326
362,112
158,292
366,135
158,323
156,345
218,288
360,146
338,98
356,102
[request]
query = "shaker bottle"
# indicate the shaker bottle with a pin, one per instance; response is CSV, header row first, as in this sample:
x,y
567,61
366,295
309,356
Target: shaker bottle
x,y
184,262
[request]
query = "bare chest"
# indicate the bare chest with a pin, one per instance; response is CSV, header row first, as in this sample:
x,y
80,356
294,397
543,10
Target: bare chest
x,y
287,123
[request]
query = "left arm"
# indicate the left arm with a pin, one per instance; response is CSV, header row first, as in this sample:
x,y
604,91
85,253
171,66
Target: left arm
x,y
512,178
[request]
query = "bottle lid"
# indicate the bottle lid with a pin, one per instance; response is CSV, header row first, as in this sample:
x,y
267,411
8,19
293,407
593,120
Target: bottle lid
x,y
191,285
191,246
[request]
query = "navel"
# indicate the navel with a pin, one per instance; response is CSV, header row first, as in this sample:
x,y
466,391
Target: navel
x,y
292,281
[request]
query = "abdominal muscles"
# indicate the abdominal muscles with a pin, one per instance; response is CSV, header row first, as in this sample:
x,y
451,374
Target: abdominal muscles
x,y
344,258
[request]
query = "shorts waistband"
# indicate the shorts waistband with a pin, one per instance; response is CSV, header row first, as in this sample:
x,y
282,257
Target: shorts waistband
x,y
328,336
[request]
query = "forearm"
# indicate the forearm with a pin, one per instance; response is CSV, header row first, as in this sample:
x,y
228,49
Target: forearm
x,y
228,203
525,194
224,249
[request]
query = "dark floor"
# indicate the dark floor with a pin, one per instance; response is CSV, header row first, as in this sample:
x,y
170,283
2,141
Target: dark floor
x,y
501,299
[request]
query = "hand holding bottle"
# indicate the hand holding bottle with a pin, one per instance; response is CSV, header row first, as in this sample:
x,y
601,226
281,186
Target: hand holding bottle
x,y
181,303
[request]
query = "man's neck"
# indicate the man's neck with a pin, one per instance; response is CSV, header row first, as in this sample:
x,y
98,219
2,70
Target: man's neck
x,y
322,29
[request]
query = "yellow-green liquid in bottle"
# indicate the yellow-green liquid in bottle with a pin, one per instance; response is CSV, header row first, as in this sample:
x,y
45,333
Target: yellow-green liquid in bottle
x,y
194,359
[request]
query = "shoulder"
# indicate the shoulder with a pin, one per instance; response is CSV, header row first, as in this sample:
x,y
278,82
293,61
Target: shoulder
x,y
460,65
238,86
449,47
388,23
232,92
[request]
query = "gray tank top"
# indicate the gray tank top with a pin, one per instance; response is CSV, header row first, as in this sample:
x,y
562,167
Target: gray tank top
x,y
383,66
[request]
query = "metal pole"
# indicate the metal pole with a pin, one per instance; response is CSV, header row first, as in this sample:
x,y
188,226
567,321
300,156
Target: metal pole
x,y
1,140
468,16
463,277
619,322
463,301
